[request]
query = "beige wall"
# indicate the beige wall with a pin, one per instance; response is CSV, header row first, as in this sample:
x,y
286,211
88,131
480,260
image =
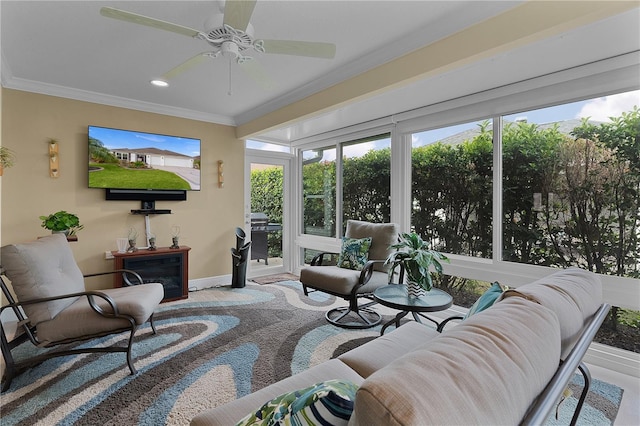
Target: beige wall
x,y
207,219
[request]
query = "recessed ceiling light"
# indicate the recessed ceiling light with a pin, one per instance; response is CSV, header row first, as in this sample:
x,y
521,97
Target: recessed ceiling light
x,y
159,83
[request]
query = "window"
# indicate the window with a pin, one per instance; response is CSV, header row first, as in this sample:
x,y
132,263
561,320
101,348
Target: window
x,y
452,188
571,179
319,191
365,181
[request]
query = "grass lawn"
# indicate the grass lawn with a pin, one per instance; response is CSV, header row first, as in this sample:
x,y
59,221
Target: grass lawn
x,y
114,176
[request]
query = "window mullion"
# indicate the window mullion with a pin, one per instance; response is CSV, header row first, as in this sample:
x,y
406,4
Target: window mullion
x,y
339,188
497,190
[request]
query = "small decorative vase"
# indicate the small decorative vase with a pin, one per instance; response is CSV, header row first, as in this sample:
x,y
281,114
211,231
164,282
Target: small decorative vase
x,y
414,290
175,244
132,246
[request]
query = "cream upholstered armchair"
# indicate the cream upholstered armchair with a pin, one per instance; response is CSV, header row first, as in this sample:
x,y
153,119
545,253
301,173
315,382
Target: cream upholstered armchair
x,y
358,272
53,308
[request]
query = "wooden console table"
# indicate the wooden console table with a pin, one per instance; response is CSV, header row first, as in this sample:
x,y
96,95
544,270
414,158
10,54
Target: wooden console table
x,y
165,265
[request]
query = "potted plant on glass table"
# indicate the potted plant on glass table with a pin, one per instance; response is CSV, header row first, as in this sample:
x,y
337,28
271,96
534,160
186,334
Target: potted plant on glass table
x,y
416,258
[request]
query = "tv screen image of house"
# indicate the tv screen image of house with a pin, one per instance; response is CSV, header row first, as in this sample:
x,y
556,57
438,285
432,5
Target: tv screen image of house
x,y
127,159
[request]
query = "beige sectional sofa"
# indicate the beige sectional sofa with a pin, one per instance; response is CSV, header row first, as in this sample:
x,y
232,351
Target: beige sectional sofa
x,y
499,366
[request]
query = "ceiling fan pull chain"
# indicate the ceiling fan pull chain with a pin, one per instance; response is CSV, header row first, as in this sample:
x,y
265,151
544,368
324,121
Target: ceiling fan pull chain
x,y
229,92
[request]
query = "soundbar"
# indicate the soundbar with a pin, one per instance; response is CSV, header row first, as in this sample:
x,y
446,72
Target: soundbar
x,y
150,211
146,194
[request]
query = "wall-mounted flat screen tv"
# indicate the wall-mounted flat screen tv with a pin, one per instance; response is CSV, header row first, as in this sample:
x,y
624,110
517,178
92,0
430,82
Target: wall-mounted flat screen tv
x,y
131,160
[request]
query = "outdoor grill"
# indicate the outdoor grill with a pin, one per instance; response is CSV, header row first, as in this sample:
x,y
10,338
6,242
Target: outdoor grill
x,y
260,228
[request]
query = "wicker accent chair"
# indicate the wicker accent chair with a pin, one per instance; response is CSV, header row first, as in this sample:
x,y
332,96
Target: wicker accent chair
x,y
351,284
53,307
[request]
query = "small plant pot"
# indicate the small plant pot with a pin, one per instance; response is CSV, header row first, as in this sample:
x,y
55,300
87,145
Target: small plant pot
x,y
415,291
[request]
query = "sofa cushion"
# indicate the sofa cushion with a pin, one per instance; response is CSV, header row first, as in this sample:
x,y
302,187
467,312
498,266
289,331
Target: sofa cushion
x,y
42,268
79,319
486,370
354,253
228,412
378,353
325,403
573,294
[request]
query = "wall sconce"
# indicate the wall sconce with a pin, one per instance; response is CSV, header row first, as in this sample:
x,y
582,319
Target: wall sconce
x,y
54,158
220,174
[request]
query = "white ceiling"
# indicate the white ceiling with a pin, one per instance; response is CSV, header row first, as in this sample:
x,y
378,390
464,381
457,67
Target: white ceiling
x,y
66,48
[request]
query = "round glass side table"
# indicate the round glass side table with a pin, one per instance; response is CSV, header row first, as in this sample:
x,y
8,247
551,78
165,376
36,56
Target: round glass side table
x,y
395,296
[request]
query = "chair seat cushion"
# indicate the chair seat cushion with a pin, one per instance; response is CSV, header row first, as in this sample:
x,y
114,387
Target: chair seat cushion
x,y
340,281
80,320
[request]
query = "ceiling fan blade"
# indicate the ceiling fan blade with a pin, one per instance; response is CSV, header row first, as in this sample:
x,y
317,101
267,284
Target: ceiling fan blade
x,y
300,48
186,65
237,13
257,73
110,12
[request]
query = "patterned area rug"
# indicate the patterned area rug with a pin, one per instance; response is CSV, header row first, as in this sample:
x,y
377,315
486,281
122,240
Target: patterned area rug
x,y
216,346
275,278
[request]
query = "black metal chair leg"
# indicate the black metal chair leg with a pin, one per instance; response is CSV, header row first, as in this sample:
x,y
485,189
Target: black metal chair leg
x,y
129,347
586,374
153,325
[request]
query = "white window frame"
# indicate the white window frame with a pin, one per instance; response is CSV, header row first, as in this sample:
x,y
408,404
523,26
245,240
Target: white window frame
x,y
605,77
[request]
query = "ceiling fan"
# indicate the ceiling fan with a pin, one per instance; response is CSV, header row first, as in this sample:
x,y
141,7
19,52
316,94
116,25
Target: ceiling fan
x,y
231,35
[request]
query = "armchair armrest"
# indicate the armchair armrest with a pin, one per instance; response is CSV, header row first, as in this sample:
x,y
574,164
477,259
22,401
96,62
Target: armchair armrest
x,y
91,295
446,321
318,259
367,271
125,276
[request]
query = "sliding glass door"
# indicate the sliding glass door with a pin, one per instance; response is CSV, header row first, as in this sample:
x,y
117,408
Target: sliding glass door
x,y
266,217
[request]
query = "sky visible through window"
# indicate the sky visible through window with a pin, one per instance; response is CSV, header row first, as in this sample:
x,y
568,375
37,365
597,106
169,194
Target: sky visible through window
x,y
115,138
598,109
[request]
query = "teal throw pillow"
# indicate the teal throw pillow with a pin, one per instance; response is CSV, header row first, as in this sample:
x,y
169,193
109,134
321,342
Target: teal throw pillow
x,y
354,253
487,299
325,403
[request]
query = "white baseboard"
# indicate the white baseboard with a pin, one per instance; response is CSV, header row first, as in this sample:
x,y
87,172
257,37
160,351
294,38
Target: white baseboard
x,y
208,282
620,360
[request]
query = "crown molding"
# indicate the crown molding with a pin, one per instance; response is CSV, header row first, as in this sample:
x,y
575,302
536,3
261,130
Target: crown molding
x,y
10,82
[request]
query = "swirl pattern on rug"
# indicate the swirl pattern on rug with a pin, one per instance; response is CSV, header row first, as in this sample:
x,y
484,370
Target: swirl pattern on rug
x,y
217,346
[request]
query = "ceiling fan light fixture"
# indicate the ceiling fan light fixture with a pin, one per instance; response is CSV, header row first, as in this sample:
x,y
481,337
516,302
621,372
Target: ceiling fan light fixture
x,y
159,83
230,50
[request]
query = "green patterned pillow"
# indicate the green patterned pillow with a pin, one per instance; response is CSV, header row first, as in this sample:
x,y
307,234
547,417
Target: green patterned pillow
x,y
354,253
325,403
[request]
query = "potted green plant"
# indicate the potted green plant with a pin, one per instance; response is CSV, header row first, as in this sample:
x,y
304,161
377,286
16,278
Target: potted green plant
x,y
6,159
416,257
62,221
